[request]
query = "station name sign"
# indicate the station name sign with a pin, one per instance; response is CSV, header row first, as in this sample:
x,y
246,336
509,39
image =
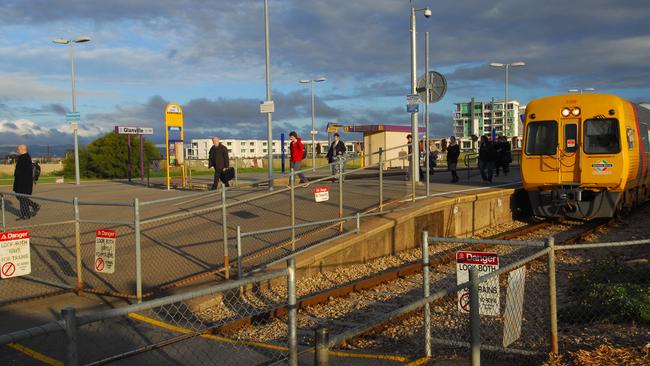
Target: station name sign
x,y
125,130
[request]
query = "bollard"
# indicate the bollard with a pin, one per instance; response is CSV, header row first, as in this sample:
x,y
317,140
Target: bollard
x,y
381,180
426,293
4,227
224,225
239,269
474,317
77,241
138,250
358,217
236,172
550,243
70,325
292,313
292,189
322,356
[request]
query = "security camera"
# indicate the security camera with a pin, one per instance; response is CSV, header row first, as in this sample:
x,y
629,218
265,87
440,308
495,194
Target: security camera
x,y
427,13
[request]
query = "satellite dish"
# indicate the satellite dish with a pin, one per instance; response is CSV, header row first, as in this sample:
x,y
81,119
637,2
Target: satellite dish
x,y
437,87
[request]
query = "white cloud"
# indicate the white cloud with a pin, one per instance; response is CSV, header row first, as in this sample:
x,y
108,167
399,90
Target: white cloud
x,y
22,127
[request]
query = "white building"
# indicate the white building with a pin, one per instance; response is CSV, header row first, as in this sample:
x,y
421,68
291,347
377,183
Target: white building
x,y
479,118
253,148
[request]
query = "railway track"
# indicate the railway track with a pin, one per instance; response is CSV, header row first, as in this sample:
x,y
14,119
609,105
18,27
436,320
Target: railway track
x,y
373,289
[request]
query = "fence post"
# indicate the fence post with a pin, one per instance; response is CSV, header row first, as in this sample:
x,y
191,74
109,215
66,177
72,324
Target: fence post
x,y
293,324
322,354
224,224
148,172
4,228
70,324
425,287
236,172
292,189
381,179
138,250
239,269
77,242
358,222
474,317
550,243
341,165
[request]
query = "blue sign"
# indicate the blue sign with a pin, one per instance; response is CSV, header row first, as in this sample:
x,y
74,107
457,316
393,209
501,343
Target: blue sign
x,y
412,103
73,117
412,108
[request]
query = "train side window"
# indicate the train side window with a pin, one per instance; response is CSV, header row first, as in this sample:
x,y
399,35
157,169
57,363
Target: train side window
x,y
571,137
630,138
541,138
601,136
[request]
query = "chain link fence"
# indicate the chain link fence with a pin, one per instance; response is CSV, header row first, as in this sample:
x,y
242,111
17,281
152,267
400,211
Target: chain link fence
x,y
188,329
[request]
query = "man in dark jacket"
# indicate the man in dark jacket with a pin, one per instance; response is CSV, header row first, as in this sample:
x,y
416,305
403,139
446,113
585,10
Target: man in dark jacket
x,y
24,182
486,159
453,152
504,156
218,158
337,149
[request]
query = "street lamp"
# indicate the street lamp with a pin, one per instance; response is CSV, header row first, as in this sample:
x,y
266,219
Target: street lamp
x,y
75,126
507,66
580,90
414,116
313,131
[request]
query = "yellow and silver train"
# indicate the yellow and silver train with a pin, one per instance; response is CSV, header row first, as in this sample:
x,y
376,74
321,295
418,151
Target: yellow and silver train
x,y
585,156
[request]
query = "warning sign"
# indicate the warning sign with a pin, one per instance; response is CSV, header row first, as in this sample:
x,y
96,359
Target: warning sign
x,y
570,143
488,291
105,251
321,194
15,257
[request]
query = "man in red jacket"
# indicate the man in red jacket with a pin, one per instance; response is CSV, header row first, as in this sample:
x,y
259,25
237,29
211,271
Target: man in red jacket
x,y
297,150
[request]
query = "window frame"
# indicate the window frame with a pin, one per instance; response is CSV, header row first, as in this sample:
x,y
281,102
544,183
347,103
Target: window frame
x,y
525,148
584,136
576,137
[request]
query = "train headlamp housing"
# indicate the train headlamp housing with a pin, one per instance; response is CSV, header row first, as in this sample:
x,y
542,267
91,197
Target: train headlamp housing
x,y
575,111
566,112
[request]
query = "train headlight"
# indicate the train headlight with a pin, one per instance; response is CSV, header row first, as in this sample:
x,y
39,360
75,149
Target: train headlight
x,y
575,111
566,112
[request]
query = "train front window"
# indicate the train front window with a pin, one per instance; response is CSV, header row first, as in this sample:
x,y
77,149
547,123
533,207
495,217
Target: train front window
x,y
541,138
602,136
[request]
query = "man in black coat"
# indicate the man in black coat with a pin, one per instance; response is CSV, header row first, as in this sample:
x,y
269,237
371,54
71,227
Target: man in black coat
x,y
337,148
218,158
24,182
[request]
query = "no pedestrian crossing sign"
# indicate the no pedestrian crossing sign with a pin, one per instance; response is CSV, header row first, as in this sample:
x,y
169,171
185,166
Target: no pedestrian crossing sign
x,y
15,257
321,194
105,251
488,291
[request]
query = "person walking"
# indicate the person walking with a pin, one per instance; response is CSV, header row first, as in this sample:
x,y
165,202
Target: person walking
x,y
298,153
504,156
218,158
409,141
336,151
24,183
453,152
486,159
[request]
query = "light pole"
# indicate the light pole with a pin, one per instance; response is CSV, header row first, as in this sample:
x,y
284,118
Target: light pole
x,y
313,131
414,116
507,66
269,118
580,90
75,126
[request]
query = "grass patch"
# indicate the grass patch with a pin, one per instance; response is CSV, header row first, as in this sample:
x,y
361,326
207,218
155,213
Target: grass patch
x,y
610,293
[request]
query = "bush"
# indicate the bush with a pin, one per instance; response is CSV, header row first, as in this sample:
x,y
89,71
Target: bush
x,y
610,293
106,157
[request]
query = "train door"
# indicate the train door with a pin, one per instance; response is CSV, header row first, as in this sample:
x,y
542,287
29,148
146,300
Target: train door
x,y
569,152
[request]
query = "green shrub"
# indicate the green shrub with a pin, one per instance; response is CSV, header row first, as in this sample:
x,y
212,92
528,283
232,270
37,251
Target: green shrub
x,y
610,293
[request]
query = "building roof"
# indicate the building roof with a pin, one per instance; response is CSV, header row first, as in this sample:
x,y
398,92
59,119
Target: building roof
x,y
381,128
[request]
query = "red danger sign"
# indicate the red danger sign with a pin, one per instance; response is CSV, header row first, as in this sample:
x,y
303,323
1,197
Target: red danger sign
x,y
488,258
321,194
105,234
105,251
15,259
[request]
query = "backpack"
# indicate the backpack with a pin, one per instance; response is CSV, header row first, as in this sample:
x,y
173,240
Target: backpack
x,y
36,171
304,152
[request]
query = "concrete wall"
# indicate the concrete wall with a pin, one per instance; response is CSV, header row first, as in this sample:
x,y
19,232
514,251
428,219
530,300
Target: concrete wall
x,y
462,216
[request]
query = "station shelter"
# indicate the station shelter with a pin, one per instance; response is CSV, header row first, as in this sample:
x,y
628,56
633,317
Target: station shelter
x,y
385,137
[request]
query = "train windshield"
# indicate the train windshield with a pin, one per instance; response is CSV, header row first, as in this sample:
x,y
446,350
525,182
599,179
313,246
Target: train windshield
x,y
602,136
541,138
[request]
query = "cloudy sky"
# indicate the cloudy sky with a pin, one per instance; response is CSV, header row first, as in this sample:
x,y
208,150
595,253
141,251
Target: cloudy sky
x,y
209,56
